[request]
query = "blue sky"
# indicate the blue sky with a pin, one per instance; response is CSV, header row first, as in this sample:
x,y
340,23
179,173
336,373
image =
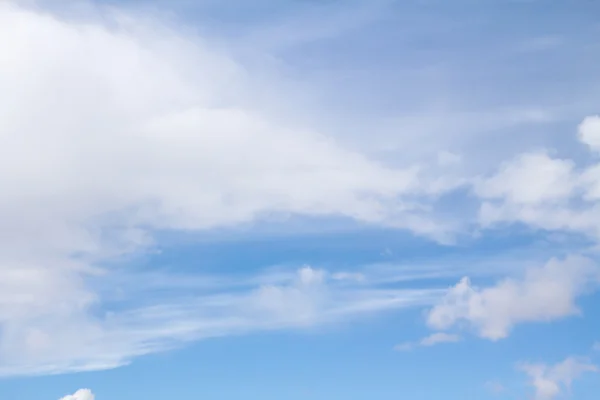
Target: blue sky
x,y
299,199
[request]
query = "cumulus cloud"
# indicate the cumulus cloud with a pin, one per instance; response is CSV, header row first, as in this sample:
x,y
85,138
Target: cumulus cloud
x,y
545,191
549,381
81,394
589,132
545,293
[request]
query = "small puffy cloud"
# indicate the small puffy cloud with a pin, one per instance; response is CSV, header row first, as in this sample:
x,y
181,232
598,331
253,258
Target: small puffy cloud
x,y
589,132
550,381
81,394
428,341
545,293
596,346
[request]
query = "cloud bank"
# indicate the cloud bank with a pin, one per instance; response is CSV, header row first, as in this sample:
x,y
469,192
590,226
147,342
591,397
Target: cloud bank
x,y
117,126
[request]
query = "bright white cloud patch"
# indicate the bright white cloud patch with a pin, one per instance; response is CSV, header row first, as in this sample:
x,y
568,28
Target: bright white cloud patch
x,y
589,132
549,381
545,293
81,394
544,191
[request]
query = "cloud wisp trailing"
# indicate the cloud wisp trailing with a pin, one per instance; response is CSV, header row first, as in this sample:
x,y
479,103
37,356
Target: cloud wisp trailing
x,y
428,341
73,341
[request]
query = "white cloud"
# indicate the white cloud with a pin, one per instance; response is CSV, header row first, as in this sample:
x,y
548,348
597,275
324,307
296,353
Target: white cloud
x,y
81,394
532,178
428,341
589,132
439,337
550,381
298,303
191,311
544,294
545,192
118,126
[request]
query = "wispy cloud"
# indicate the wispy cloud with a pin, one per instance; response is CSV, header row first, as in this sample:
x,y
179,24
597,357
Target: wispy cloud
x,y
428,341
55,342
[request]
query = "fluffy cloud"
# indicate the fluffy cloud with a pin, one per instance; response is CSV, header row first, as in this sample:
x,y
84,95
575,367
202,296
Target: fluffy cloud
x,y
550,381
545,293
544,191
81,394
533,178
589,132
